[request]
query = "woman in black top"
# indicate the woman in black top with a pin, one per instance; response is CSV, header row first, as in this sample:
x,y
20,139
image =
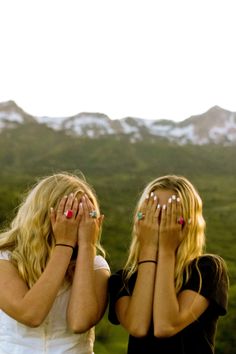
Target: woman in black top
x,y
169,294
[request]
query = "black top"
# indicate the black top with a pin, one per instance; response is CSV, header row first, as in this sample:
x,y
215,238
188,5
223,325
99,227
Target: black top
x,y
199,336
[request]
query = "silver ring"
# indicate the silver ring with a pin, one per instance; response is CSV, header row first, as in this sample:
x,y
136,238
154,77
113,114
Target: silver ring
x,y
93,214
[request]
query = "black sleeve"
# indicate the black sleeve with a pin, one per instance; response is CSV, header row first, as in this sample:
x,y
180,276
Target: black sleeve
x,y
117,289
213,284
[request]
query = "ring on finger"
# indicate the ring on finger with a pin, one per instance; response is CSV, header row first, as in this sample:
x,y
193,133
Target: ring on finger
x,y
93,214
140,215
180,220
68,213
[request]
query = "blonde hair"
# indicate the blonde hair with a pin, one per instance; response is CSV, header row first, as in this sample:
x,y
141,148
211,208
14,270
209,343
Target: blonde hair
x,y
30,239
192,246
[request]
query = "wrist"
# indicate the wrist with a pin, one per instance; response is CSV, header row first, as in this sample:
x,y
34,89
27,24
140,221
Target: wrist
x,y
166,253
63,251
87,247
147,261
148,252
66,241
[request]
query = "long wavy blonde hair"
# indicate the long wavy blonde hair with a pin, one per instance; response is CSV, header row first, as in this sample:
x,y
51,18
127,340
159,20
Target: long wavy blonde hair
x,y
30,239
192,246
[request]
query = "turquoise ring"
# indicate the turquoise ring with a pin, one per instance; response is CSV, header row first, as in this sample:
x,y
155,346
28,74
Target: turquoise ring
x,y
140,215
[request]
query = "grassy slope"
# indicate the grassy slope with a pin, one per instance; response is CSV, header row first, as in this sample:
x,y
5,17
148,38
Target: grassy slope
x,y
118,171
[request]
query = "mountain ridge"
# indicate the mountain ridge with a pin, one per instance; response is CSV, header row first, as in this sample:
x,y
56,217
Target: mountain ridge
x,y
217,125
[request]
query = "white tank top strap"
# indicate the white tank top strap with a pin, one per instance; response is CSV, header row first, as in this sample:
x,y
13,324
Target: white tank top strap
x,y
5,255
100,263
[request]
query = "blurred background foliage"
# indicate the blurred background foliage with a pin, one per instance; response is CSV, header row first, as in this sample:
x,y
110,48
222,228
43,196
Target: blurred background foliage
x,y
118,170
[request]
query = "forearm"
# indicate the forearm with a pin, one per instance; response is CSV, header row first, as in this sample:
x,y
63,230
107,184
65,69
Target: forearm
x,y
37,302
138,316
166,307
83,308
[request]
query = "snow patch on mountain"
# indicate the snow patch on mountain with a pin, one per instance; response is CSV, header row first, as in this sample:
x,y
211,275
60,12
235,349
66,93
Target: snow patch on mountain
x,y
217,125
54,123
11,116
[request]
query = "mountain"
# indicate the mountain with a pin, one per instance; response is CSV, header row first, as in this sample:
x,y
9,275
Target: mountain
x,y
11,115
217,126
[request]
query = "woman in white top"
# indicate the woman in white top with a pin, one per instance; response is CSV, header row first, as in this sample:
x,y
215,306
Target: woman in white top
x,y
53,284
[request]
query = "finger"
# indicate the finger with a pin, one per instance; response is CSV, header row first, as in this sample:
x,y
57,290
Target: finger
x,y
163,216
145,203
157,211
178,208
61,206
89,203
151,198
69,202
154,203
174,210
100,220
155,208
75,207
52,216
85,205
141,212
179,213
150,209
81,211
169,211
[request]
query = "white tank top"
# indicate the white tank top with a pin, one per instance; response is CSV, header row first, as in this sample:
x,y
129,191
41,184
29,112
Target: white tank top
x,y
52,336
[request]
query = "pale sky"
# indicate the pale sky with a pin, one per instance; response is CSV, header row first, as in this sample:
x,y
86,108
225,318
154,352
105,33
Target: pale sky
x,y
146,59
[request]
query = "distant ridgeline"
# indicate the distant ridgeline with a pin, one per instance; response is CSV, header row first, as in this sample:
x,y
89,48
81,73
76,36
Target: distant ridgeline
x,y
217,126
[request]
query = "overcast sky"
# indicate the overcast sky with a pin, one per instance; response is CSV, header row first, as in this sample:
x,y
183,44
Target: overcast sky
x,y
148,59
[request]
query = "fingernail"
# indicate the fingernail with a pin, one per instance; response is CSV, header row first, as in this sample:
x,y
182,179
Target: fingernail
x,y
169,200
51,209
71,194
189,221
80,205
164,207
155,197
147,196
178,199
158,206
174,197
152,194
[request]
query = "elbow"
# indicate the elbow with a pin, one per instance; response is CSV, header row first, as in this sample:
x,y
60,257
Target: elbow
x,y
138,331
79,328
162,331
32,322
82,325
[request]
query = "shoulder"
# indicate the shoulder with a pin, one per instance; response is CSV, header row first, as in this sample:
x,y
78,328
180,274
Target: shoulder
x,y
5,255
118,284
210,265
211,259
208,276
100,263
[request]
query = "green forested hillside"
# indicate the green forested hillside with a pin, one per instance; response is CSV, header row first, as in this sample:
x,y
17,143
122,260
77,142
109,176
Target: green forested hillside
x,y
118,170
